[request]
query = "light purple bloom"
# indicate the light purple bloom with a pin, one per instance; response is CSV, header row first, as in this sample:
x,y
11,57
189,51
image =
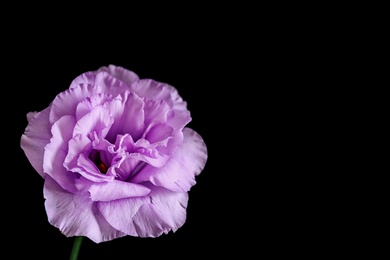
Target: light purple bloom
x,y
116,156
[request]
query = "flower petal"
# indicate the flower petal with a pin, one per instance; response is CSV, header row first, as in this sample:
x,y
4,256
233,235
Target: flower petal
x,y
128,115
120,73
76,215
98,120
177,123
65,103
90,171
159,91
125,167
88,104
160,212
56,152
35,137
179,172
155,111
108,191
77,145
158,133
85,85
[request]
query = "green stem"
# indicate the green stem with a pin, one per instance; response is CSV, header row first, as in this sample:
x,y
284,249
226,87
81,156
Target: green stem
x,y
76,248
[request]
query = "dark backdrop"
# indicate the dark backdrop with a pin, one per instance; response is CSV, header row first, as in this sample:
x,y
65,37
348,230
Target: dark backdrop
x,y
246,73
263,87
246,78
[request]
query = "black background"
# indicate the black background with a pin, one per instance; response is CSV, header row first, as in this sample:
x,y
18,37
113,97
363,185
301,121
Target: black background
x,y
263,87
251,80
208,72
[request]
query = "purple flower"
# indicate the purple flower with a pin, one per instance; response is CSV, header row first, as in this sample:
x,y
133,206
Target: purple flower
x,y
116,156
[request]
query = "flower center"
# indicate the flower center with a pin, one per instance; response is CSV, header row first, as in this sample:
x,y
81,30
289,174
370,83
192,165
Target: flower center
x,y
95,156
102,167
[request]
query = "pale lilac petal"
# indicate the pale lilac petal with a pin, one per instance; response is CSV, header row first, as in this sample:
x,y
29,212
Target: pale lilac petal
x,y
178,102
130,163
160,212
88,104
82,184
120,73
122,165
127,166
152,89
179,172
76,215
166,212
128,115
98,120
35,137
102,82
79,144
101,144
155,111
159,91
158,133
65,103
178,122
30,115
157,160
144,151
113,190
56,152
120,213
87,78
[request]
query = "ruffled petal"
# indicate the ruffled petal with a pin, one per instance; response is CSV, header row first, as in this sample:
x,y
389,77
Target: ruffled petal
x,y
157,160
85,85
158,133
128,115
90,171
108,191
76,215
35,137
159,91
77,145
125,167
156,111
179,172
98,121
178,102
144,151
120,73
56,152
101,81
177,122
65,103
88,104
160,212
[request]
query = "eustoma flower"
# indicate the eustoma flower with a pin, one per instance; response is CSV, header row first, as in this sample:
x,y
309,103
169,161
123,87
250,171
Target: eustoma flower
x,y
116,156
